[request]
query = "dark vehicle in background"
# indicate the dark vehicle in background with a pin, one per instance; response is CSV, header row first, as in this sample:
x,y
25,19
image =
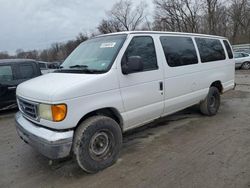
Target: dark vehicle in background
x,y
12,73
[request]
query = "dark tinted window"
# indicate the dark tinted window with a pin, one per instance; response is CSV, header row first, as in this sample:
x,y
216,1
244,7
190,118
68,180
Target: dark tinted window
x,y
6,73
142,46
26,71
179,51
210,49
229,50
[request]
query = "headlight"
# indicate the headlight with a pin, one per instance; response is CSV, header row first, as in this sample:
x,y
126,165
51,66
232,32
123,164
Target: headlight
x,y
53,112
45,112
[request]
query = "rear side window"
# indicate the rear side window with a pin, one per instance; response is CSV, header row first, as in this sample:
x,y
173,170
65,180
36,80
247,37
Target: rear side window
x,y
26,71
6,73
228,48
210,49
179,51
143,46
238,55
245,55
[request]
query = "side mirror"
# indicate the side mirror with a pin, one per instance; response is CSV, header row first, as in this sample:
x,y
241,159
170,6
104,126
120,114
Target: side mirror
x,y
133,64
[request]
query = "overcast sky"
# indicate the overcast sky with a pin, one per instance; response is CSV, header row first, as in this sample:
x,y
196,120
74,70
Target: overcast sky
x,y
35,24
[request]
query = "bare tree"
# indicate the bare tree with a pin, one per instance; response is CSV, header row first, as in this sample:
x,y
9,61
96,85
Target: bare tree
x,y
33,54
123,17
109,26
230,18
211,6
4,55
215,17
147,25
240,20
177,15
246,22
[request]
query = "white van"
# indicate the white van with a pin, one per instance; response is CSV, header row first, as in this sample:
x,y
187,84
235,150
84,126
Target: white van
x,y
116,82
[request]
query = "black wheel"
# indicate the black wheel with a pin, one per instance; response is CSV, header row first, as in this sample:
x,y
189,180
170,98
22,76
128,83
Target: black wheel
x,y
97,143
245,66
211,104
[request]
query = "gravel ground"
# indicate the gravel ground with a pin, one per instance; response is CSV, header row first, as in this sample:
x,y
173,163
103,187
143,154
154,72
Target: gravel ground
x,y
182,150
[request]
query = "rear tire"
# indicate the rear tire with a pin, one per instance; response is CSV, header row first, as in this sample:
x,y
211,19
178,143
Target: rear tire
x,y
97,143
211,104
245,66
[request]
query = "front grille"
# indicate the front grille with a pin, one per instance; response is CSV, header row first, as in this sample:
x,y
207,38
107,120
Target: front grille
x,y
28,108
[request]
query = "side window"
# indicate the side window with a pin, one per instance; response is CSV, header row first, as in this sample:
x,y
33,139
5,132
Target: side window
x,y
26,71
228,48
42,65
210,49
142,46
179,51
238,55
245,55
6,73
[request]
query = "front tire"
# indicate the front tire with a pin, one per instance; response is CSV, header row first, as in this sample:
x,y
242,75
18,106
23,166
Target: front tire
x,y
211,104
97,143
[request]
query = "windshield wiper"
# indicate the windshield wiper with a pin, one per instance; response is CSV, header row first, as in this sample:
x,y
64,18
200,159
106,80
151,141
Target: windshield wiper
x,y
79,66
88,71
93,71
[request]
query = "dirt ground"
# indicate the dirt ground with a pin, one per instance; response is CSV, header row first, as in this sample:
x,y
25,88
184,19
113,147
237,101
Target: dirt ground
x,y
183,150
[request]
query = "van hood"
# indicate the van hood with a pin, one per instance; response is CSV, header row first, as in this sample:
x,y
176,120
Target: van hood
x,y
56,87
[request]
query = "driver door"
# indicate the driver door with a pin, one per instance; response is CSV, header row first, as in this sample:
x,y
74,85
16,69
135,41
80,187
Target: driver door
x,y
7,86
142,92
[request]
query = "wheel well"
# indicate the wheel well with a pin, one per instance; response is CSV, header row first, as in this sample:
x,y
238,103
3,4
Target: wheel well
x,y
218,85
109,112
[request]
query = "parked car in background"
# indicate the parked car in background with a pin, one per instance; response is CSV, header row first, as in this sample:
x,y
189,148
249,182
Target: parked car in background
x,y
47,67
242,60
242,48
246,51
12,73
55,64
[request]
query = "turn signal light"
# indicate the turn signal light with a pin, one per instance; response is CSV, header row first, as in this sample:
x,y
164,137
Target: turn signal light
x,y
59,112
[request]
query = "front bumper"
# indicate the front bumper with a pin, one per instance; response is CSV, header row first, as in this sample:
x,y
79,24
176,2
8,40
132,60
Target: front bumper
x,y
52,144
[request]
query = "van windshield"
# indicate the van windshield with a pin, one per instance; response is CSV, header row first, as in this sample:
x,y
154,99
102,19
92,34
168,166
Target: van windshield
x,y
94,56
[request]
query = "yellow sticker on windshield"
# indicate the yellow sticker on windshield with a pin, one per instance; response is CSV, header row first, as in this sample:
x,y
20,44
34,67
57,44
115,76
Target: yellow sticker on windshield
x,y
108,45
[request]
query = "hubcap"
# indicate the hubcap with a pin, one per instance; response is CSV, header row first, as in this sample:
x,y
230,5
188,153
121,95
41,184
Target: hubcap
x,y
100,145
212,102
246,65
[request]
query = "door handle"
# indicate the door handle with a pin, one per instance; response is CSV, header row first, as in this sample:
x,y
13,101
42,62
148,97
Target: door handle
x,y
11,87
161,86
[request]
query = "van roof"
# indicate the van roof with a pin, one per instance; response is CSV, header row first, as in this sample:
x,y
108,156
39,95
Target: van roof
x,y
162,32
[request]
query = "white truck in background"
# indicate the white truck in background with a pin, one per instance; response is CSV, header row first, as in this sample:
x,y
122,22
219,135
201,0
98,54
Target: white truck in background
x,y
47,67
